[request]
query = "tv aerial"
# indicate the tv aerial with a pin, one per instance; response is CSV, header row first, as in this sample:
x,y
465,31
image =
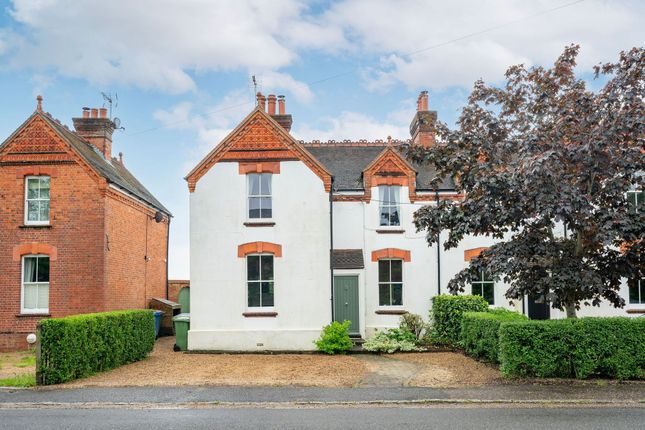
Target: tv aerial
x,y
112,102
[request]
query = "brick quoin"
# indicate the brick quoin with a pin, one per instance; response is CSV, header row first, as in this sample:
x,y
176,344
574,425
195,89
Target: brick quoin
x,y
106,250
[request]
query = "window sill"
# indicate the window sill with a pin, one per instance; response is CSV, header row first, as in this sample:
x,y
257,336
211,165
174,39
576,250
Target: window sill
x,y
35,226
390,312
259,224
38,314
260,314
389,231
635,311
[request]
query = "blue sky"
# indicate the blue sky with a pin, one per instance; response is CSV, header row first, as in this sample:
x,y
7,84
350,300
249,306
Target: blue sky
x,y
349,69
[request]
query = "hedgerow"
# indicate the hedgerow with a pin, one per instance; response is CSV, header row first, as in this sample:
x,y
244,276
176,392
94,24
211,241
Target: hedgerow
x,y
580,348
446,315
80,345
480,332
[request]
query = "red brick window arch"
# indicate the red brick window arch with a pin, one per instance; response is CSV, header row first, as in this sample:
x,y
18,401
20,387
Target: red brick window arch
x,y
391,253
259,248
34,248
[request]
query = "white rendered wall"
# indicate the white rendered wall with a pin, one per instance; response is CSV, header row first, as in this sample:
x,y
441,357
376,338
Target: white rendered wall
x,y
218,209
355,225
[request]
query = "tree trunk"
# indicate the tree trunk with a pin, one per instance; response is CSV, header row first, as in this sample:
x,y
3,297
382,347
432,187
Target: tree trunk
x,y
571,310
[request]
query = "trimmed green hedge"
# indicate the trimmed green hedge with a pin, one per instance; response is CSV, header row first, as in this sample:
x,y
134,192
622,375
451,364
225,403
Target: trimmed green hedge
x,y
81,345
446,314
581,348
480,332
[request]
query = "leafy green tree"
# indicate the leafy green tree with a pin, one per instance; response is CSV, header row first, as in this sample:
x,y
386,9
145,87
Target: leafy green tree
x,y
543,153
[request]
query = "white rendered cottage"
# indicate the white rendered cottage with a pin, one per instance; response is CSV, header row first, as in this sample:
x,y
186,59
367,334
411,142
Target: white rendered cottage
x,y
265,211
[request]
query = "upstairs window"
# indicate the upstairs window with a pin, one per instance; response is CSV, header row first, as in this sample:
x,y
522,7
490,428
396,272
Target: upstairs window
x,y
259,186
389,199
37,200
484,286
35,284
259,269
636,291
636,199
390,282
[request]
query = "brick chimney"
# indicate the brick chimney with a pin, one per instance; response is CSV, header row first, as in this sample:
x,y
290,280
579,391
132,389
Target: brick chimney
x,y
422,127
285,120
95,127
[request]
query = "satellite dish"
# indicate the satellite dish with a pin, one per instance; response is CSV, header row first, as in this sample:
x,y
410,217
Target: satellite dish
x,y
158,216
116,122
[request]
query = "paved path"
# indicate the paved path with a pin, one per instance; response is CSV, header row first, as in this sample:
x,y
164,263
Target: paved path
x,y
332,418
387,372
628,392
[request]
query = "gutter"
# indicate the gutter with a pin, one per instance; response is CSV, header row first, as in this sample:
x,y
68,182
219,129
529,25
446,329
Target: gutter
x,y
331,245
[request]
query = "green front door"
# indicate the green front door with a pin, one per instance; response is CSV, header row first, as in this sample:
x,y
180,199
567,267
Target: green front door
x,y
346,302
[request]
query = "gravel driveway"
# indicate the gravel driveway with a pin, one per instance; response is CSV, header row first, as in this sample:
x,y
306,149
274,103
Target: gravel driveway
x,y
167,368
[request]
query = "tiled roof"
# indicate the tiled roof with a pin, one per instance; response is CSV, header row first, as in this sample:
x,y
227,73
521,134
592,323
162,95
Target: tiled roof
x,y
112,170
347,160
347,259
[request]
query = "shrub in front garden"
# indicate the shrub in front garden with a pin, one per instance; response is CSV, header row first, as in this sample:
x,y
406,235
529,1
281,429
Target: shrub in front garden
x,y
446,314
480,332
414,324
334,338
392,340
81,345
581,348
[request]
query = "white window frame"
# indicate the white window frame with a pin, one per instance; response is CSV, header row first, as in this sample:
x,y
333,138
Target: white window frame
x,y
22,286
390,282
246,283
27,200
641,298
261,196
480,282
383,205
637,192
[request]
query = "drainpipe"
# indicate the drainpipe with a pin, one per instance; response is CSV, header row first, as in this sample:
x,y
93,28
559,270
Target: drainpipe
x,y
167,256
436,193
331,244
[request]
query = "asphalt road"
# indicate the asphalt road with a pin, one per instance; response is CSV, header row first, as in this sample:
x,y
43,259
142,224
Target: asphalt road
x,y
328,418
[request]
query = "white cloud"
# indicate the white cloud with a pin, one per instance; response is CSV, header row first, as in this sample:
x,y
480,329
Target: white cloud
x,y
158,43
353,126
162,44
274,81
396,31
209,123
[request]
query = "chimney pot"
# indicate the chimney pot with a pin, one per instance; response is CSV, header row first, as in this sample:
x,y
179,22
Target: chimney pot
x,y
271,104
424,100
261,101
281,105
39,103
96,129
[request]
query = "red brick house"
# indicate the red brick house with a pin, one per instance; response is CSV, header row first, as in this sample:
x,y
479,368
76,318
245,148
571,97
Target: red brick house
x,y
78,232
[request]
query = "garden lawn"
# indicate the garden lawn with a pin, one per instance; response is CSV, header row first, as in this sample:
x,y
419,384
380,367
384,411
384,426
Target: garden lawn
x,y
17,369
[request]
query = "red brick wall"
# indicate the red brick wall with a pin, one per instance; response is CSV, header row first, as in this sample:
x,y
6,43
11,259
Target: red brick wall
x,y
76,276
136,259
86,218
174,285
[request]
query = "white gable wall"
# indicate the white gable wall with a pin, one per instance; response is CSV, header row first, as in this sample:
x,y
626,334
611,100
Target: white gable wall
x,y
218,210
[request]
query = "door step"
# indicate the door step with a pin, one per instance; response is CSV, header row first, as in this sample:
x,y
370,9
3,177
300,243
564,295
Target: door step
x,y
358,344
